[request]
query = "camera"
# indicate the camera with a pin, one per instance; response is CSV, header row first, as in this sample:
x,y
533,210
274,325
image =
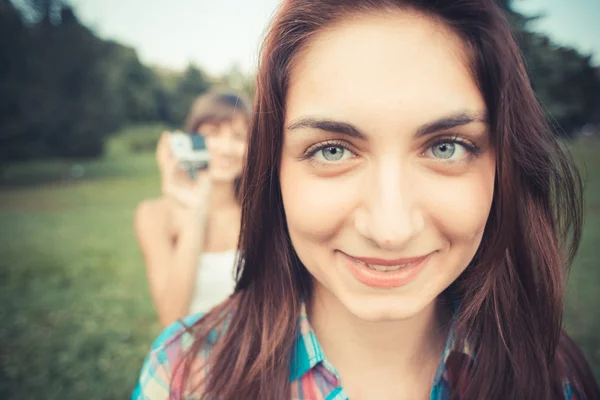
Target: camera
x,y
190,150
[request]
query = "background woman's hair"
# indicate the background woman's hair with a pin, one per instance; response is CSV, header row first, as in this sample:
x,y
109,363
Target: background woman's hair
x,y
216,107
512,293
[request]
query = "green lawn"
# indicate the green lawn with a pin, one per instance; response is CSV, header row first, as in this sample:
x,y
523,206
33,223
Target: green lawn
x,y
582,319
76,313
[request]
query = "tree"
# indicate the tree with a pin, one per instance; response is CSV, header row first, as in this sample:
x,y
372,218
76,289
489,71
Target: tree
x,y
189,86
13,62
64,89
56,97
36,11
565,82
136,91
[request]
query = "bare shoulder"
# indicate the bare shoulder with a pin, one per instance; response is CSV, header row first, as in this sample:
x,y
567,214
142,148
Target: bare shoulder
x,y
151,214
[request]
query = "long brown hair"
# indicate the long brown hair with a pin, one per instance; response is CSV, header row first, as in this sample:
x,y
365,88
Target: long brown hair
x,y
511,294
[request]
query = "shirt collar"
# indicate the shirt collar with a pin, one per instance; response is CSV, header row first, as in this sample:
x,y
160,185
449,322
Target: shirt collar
x,y
308,353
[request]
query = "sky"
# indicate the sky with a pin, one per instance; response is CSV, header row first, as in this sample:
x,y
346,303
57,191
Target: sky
x,y
573,23
216,34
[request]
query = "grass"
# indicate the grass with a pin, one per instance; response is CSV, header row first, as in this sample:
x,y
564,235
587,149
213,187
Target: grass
x,y
76,313
582,319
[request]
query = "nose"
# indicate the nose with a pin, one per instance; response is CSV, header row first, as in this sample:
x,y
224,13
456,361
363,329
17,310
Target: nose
x,y
228,144
391,215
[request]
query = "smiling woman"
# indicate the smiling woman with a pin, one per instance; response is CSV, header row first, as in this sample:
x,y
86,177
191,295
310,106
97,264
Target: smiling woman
x,y
407,221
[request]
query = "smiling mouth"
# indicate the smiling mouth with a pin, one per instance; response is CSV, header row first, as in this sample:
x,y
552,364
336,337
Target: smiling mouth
x,y
383,265
384,273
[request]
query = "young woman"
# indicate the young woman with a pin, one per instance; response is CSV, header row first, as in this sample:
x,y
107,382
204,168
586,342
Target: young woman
x,y
188,236
407,220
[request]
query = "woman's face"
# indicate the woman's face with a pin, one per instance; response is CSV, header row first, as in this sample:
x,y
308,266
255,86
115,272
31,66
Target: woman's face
x,y
387,174
226,143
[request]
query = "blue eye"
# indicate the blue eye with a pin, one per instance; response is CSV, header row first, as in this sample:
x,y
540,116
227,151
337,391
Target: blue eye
x,y
329,152
332,153
444,150
451,150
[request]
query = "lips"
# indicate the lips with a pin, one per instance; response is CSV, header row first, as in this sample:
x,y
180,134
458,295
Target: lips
x,y
383,268
389,264
385,273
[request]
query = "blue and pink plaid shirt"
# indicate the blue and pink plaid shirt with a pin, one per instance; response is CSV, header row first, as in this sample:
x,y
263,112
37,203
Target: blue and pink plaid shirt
x,y
311,375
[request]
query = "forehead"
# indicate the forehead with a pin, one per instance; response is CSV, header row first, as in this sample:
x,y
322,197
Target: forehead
x,y
236,121
395,64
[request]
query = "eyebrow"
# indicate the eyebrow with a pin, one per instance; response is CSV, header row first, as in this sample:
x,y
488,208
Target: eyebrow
x,y
344,128
451,121
328,125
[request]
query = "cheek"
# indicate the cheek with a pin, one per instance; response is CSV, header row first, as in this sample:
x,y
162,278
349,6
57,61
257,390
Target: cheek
x,y
316,208
240,150
459,207
211,143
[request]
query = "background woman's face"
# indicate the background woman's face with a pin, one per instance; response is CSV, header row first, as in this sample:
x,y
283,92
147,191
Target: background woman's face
x,y
387,171
226,143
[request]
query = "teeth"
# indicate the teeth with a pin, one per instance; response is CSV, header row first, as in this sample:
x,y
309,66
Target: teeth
x,y
382,268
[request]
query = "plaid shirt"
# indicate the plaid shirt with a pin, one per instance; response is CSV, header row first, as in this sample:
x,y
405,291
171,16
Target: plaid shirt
x,y
311,375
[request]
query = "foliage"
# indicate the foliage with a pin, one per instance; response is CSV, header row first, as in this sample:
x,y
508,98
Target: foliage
x,y
141,138
53,91
565,81
64,90
134,87
188,87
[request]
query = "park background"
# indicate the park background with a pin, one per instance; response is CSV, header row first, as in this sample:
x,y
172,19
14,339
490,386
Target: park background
x,y
86,87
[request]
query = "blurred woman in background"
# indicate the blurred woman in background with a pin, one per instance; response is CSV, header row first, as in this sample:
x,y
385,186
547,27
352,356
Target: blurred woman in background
x,y
188,236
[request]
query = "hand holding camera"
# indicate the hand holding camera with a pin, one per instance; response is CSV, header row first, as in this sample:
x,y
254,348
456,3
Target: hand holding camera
x,y
182,161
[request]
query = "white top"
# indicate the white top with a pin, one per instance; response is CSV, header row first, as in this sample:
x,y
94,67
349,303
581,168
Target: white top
x,y
214,280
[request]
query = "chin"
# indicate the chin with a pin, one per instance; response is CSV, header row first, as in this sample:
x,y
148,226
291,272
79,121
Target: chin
x,y
385,307
223,176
